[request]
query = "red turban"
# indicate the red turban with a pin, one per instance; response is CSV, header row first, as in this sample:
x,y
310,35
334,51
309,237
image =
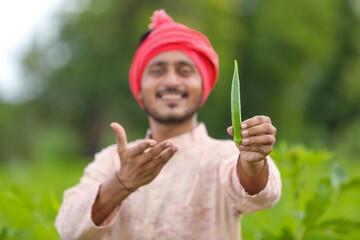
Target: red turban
x,y
167,35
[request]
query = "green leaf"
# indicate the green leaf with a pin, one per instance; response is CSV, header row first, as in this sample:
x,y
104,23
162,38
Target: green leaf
x,y
301,154
21,198
352,184
321,236
339,225
7,233
54,202
286,234
317,205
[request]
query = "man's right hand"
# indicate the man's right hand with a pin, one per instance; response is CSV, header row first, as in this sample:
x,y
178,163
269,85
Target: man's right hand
x,y
141,163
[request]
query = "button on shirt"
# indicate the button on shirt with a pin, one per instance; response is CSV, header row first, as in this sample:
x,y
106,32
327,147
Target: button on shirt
x,y
197,195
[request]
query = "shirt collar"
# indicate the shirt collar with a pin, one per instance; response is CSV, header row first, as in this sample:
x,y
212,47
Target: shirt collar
x,y
187,140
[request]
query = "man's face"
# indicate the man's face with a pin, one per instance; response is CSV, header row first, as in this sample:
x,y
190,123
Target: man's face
x,y
171,87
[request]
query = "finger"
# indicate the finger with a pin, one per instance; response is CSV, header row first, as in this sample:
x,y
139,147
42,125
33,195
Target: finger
x,y
265,128
230,131
257,120
156,150
120,136
165,156
262,149
141,147
157,163
262,140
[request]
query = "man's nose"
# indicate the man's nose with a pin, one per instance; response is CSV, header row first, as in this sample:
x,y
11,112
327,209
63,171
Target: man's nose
x,y
172,79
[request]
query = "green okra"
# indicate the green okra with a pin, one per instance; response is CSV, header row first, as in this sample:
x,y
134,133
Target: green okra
x,y
236,106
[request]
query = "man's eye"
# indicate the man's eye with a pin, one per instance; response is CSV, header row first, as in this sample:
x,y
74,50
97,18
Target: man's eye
x,y
185,71
156,71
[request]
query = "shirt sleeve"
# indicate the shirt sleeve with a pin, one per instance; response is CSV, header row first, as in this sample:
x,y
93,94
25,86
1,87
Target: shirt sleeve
x,y
74,219
243,201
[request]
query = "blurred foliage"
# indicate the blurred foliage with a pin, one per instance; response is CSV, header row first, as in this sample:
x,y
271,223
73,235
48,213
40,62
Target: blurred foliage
x,y
317,198
31,195
298,64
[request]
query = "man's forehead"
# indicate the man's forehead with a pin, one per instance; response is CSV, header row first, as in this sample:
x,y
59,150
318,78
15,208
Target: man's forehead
x,y
170,57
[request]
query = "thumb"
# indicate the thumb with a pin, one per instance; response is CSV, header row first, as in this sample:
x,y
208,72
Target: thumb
x,y
230,130
120,136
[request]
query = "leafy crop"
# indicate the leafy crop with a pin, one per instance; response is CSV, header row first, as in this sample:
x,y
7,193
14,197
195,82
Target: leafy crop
x,y
319,200
316,197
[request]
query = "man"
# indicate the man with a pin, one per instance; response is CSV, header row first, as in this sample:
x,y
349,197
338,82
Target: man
x,y
177,183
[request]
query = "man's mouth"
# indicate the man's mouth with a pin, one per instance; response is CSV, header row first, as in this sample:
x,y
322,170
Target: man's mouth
x,y
171,95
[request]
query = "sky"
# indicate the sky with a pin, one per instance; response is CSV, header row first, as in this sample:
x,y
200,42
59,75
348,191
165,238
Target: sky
x,y
20,21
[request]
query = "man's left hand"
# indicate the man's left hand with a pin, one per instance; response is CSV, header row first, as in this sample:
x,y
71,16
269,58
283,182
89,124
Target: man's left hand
x,y
258,139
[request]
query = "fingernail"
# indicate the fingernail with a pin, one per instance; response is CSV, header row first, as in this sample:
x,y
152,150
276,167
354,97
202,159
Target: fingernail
x,y
152,144
245,141
173,149
167,144
244,125
245,133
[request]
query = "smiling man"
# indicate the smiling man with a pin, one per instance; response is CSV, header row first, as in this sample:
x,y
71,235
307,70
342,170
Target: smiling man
x,y
171,88
177,183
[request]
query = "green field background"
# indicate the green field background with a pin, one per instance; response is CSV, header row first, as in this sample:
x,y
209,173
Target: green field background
x,y
298,63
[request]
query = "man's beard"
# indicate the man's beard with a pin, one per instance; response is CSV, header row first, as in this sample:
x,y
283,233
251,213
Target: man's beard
x,y
172,119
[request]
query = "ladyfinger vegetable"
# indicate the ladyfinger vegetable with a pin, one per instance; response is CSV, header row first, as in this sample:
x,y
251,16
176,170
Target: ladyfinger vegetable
x,y
236,106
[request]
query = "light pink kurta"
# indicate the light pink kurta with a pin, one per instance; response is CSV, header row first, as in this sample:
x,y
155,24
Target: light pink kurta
x,y
197,195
